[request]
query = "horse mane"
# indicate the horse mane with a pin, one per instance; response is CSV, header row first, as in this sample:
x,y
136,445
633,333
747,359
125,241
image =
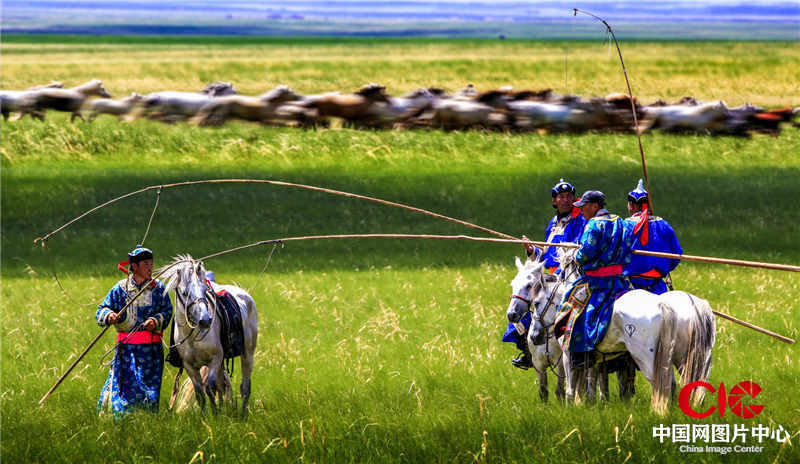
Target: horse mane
x,y
276,92
170,271
565,257
370,89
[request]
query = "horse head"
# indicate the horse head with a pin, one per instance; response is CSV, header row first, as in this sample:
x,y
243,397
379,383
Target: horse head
x,y
280,94
570,269
374,92
93,87
218,89
188,278
525,288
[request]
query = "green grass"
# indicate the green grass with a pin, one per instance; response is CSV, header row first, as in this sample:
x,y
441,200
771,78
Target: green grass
x,y
376,350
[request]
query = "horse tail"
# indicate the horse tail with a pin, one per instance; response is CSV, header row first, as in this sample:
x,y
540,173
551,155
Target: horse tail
x,y
662,365
702,329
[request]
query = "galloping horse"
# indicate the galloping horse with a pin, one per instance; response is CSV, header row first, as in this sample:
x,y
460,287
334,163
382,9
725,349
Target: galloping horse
x,y
198,329
67,100
351,107
259,109
11,100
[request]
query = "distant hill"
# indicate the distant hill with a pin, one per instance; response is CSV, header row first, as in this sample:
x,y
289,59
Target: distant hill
x,y
676,19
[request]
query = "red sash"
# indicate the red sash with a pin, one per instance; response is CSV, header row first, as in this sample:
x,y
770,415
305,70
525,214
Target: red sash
x,y
139,337
607,271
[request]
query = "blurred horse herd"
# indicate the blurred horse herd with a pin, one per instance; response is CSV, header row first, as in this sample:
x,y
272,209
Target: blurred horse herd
x,y
371,106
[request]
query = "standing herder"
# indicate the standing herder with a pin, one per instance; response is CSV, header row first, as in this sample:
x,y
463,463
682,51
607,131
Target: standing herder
x,y
652,234
605,249
134,379
566,226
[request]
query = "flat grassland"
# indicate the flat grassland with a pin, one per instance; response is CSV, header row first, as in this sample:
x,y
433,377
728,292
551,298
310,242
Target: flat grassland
x,y
381,350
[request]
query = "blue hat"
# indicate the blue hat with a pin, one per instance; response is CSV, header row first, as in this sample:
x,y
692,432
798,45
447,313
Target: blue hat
x,y
562,186
140,253
639,194
210,276
591,196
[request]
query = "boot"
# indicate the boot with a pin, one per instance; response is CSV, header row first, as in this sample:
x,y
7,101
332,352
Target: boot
x,y
523,361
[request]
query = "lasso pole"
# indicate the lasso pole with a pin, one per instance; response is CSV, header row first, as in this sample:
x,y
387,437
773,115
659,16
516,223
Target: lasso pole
x,y
440,237
44,238
540,244
630,94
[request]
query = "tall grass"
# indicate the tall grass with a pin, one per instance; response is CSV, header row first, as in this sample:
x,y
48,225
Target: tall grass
x,y
377,351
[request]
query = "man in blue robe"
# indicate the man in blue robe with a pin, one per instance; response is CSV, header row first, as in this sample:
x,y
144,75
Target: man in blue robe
x,y
565,226
652,234
605,249
134,379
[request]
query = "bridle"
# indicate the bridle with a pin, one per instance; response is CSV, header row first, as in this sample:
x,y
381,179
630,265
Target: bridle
x,y
181,299
538,315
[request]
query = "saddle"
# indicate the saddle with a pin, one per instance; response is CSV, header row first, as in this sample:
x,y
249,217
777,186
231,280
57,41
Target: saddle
x,y
231,329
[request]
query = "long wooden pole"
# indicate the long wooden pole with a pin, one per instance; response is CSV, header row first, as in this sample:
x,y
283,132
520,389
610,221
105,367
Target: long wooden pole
x,y
754,327
441,237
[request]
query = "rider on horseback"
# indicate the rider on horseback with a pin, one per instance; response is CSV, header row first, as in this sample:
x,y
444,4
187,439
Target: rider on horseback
x,y
566,226
605,248
652,234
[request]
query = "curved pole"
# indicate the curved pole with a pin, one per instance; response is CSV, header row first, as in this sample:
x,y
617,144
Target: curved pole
x,y
630,94
44,238
440,237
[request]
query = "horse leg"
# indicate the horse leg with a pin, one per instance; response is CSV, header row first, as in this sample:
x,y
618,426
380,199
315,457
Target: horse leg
x,y
591,384
197,383
577,381
212,387
543,393
247,371
561,376
603,377
626,378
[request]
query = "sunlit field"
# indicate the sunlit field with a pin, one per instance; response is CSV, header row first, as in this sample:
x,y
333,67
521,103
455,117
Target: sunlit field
x,y
381,350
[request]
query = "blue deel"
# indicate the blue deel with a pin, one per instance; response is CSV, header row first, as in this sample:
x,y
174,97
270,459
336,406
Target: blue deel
x,y
661,238
511,335
607,240
134,379
561,230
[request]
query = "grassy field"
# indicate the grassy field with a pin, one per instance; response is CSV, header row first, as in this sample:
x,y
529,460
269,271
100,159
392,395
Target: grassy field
x,y
379,350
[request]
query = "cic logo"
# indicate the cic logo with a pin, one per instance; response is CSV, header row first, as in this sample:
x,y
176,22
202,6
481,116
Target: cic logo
x,y
733,399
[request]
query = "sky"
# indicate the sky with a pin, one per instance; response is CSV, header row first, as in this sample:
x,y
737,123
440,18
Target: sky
x,y
298,16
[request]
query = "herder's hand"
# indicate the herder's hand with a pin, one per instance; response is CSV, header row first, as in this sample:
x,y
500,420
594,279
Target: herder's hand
x,y
528,246
112,318
150,324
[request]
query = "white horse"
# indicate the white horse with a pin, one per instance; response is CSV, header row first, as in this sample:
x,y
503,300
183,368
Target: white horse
x,y
10,100
260,109
707,117
659,331
68,100
118,108
198,330
533,290
400,109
